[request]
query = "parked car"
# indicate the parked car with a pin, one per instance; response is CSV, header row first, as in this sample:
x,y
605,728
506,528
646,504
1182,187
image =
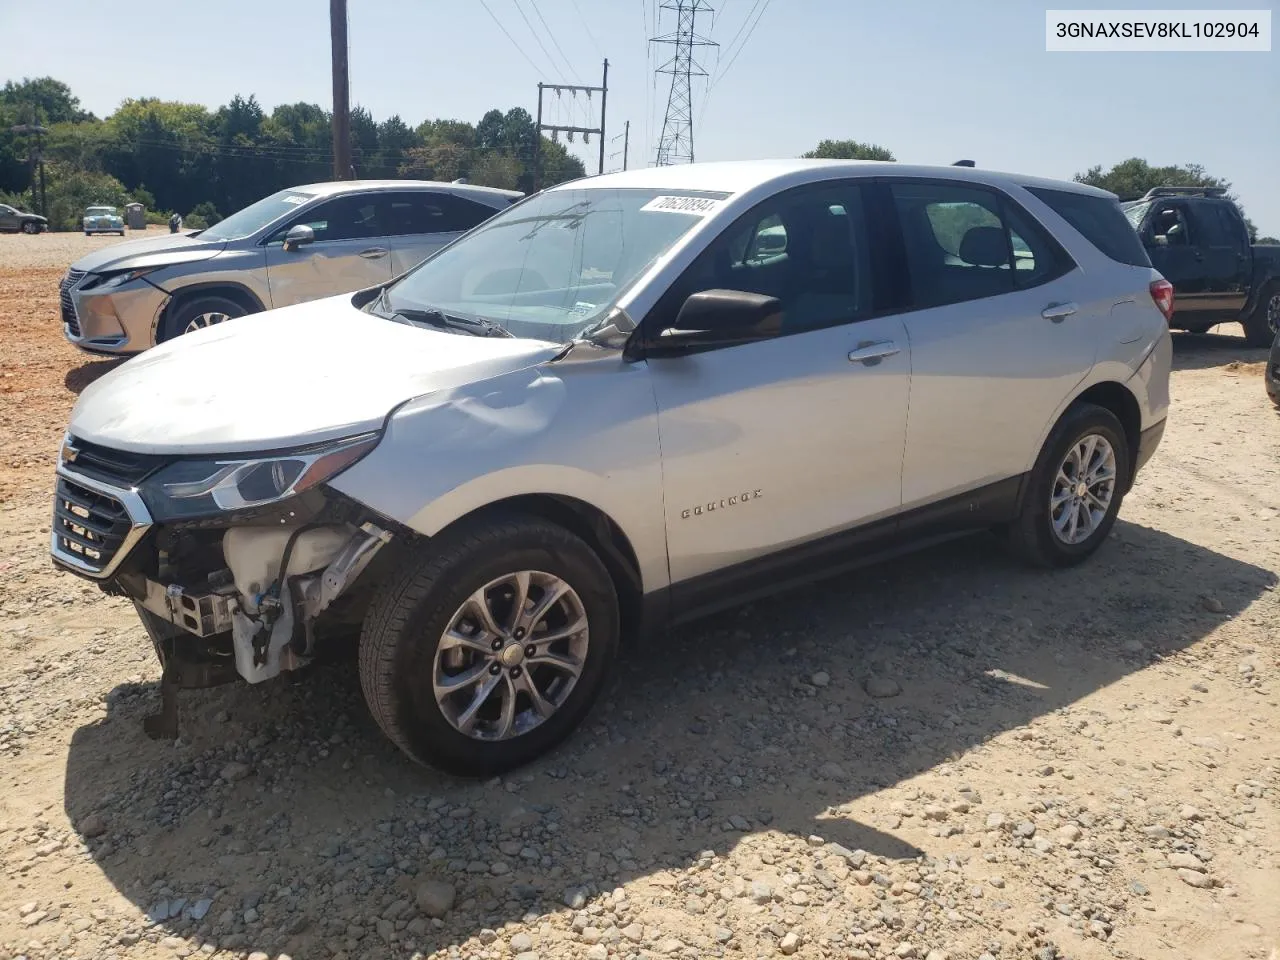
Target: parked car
x,y
1272,374
13,221
1197,239
296,245
103,220
599,413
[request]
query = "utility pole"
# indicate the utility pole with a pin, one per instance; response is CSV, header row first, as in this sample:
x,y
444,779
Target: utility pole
x,y
676,144
36,158
342,169
556,129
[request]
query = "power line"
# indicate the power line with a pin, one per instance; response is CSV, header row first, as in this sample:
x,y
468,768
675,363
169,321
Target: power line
x,y
551,33
537,39
586,26
741,46
519,48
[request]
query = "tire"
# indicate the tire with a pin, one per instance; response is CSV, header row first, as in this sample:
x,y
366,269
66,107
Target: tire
x,y
401,645
30,228
181,320
1263,322
1032,536
88,233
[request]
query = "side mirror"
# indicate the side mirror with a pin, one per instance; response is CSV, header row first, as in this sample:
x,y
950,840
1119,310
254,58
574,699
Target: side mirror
x,y
720,318
299,235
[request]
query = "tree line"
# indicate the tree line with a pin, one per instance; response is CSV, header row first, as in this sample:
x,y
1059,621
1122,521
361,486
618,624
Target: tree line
x,y
1129,179
204,163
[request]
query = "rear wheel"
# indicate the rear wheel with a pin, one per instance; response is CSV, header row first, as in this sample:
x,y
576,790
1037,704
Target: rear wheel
x,y
198,313
1075,489
1263,322
490,648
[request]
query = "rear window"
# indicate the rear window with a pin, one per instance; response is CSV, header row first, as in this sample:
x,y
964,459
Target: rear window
x,y
1100,220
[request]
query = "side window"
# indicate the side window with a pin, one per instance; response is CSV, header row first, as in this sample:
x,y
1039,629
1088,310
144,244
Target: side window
x,y
808,248
1169,227
418,212
342,218
965,243
1219,225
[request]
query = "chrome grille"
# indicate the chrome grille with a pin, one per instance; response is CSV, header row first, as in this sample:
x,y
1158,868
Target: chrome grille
x,y
88,525
68,305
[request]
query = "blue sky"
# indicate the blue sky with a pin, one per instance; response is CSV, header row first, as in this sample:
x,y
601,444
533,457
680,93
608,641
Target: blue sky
x,y
933,80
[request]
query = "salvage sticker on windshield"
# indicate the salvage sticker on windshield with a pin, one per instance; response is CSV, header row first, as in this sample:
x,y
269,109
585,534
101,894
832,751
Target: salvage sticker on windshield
x,y
698,206
293,199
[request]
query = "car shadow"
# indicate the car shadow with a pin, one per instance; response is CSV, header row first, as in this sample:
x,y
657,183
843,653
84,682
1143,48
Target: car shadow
x,y
1221,346
78,378
758,719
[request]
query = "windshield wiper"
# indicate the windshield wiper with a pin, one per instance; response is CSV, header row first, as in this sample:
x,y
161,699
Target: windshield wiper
x,y
476,326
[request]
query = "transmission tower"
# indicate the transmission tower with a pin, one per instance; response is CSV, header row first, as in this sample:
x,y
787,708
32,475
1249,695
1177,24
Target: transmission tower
x,y
676,145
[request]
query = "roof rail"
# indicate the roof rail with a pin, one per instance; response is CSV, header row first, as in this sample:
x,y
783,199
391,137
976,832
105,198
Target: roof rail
x,y
1185,192
963,163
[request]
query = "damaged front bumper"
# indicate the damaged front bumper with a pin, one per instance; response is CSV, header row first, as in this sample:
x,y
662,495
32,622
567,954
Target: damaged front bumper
x,y
269,615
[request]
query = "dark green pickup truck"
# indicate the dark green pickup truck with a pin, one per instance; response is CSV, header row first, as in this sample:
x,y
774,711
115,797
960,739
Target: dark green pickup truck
x,y
1197,239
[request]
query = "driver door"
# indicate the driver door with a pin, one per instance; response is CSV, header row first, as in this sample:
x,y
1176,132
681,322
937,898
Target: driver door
x,y
8,218
351,251
785,444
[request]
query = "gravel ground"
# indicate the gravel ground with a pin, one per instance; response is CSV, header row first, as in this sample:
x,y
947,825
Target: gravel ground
x,y
946,757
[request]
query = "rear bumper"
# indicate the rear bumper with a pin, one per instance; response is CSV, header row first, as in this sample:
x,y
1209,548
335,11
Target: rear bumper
x,y
1148,440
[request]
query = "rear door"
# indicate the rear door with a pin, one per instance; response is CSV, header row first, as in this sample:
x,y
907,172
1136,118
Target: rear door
x,y
1002,328
423,221
8,218
1222,255
351,250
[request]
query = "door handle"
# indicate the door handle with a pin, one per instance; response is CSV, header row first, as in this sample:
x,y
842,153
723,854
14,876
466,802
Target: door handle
x,y
374,253
870,352
1057,312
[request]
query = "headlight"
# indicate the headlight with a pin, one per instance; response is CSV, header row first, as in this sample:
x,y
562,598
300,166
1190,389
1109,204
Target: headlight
x,y
117,278
201,488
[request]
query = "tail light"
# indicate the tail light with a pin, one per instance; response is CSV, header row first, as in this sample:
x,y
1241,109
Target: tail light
x,y
1162,294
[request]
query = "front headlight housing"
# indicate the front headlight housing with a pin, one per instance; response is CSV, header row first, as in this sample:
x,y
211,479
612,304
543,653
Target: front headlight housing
x,y
199,488
117,278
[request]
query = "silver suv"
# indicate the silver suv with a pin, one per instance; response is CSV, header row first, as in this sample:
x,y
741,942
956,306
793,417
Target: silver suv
x,y
619,404
296,245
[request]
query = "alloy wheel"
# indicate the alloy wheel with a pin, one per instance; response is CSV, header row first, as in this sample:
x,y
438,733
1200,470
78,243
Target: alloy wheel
x,y
511,655
202,320
1083,489
1273,313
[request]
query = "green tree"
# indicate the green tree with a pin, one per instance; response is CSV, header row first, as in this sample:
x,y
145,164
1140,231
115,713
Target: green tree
x,y
43,100
71,190
1130,179
848,150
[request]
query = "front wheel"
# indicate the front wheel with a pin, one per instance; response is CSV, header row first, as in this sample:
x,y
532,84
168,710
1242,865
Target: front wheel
x,y
198,313
491,646
30,227
1075,489
1263,322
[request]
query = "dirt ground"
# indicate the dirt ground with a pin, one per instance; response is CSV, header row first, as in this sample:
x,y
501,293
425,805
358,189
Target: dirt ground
x,y
1079,764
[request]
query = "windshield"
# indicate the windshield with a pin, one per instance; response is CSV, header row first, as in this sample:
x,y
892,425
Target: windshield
x,y
553,266
1135,210
100,211
247,222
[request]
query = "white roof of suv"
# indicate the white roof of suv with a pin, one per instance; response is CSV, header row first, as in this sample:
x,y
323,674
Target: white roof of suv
x,y
736,176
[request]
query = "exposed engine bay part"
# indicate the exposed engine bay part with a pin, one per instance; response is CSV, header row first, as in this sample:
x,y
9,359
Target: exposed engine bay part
x,y
270,614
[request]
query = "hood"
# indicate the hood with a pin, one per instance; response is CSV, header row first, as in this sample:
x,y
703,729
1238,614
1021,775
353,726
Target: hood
x,y
304,374
149,252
